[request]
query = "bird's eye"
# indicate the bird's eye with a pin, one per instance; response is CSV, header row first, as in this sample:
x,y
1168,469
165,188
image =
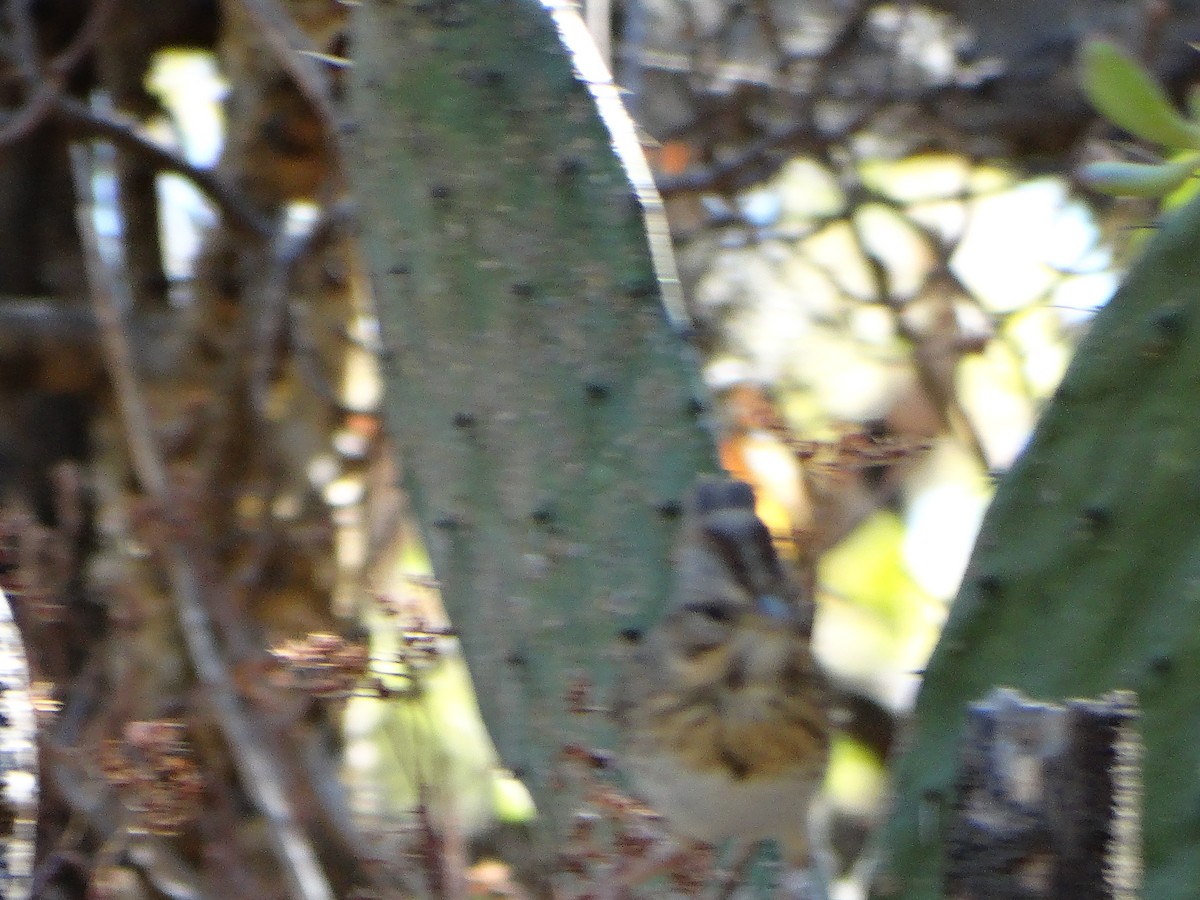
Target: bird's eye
x,y
714,612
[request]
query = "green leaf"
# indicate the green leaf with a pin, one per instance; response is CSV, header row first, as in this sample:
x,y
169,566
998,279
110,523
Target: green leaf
x,y
1130,179
1123,91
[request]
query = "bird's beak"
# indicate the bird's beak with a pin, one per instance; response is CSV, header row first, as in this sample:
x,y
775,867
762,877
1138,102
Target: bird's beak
x,y
775,608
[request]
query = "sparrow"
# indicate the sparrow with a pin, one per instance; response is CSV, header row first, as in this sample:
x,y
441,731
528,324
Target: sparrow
x,y
721,710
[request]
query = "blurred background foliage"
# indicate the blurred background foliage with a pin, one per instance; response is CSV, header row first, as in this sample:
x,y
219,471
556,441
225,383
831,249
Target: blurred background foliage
x,y
882,242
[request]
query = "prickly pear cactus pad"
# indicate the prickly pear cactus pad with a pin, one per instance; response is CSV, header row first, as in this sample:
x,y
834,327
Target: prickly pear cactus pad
x,y
539,395
1086,574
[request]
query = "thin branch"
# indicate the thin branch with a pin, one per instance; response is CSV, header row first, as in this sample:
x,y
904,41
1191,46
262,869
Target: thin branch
x,y
259,776
24,39
32,115
114,343
295,53
89,123
308,358
762,158
930,350
85,39
773,34
47,87
272,293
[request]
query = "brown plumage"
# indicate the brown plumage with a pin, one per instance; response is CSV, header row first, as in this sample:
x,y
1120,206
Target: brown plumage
x,y
721,707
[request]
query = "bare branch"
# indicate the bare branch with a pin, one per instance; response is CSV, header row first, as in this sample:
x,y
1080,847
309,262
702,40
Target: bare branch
x,y
47,87
86,121
24,39
272,294
260,777
31,115
85,39
48,317
298,57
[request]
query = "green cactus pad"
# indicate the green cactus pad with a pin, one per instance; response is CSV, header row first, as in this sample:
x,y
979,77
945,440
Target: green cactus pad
x,y
540,398
1086,574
